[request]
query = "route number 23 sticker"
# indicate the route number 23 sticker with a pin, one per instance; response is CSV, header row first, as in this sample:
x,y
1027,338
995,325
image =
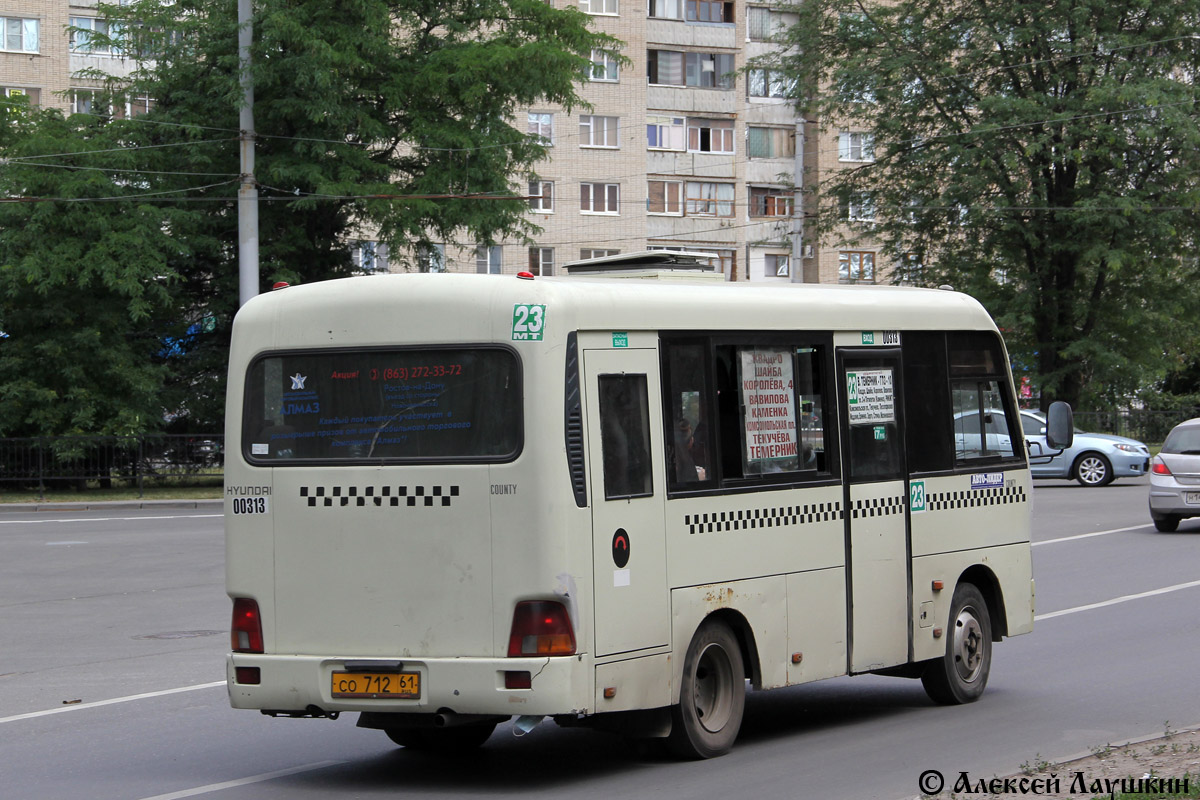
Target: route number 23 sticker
x,y
529,322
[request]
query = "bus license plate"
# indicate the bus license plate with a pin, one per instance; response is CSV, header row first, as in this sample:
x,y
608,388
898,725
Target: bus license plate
x,y
1191,498
377,685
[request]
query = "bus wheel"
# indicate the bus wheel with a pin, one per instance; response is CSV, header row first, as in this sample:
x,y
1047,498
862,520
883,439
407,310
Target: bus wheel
x,y
445,740
961,674
712,695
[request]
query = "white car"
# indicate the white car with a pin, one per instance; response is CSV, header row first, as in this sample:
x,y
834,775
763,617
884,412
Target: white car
x,y
1175,477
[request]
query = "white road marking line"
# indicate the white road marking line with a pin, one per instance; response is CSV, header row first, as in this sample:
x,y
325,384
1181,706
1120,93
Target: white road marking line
x,y
1090,535
113,701
105,519
1125,599
266,776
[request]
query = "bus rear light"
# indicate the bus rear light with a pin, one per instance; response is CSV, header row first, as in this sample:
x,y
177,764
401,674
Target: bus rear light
x,y
248,676
1159,467
518,679
247,635
541,628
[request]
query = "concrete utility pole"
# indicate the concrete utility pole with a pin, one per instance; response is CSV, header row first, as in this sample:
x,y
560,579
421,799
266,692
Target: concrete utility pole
x,y
797,266
248,192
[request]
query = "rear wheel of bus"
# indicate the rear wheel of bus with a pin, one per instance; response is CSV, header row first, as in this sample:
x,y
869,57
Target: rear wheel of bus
x,y
712,695
961,675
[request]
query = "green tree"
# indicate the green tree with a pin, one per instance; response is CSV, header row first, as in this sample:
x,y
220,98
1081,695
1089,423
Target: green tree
x,y
1040,156
396,116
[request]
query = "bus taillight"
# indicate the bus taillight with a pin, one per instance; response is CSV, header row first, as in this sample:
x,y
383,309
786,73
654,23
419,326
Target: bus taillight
x,y
247,636
541,628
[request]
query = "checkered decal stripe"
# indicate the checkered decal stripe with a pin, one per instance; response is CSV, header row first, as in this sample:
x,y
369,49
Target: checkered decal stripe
x,y
878,507
998,496
411,496
750,519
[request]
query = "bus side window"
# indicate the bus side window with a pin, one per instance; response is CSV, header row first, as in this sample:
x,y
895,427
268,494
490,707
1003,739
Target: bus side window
x,y
929,439
982,406
689,427
625,436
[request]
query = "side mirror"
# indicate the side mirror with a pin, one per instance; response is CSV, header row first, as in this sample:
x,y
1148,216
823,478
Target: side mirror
x,y
1060,425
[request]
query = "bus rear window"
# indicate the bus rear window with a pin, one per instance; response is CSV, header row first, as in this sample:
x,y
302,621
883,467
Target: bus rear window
x,y
383,405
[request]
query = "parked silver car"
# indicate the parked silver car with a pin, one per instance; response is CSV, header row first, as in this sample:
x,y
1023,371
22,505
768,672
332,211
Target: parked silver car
x,y
1093,459
1175,477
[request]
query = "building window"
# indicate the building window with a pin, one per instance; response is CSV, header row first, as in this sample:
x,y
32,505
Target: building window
x,y
599,198
701,70
488,260
770,142
710,11
860,208
598,131
854,146
767,83
709,70
370,256
777,265
598,6
767,202
665,197
763,24
665,133
604,66
595,253
541,127
32,96
856,267
664,67
541,260
541,196
431,258
666,9
133,107
710,135
706,199
20,35
94,36
88,101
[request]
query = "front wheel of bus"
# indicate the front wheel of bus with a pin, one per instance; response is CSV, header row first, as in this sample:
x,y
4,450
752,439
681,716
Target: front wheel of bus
x,y
712,695
961,675
460,738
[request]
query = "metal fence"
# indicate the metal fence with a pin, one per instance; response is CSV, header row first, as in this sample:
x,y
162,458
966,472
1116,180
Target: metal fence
x,y
1144,425
44,462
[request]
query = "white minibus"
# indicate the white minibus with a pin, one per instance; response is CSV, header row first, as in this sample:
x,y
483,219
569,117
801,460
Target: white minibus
x,y
613,499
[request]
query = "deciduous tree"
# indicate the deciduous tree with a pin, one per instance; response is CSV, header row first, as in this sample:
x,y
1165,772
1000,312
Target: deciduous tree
x,y
1040,155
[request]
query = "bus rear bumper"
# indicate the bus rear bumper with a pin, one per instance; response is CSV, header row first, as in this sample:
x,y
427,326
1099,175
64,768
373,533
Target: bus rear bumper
x,y
304,685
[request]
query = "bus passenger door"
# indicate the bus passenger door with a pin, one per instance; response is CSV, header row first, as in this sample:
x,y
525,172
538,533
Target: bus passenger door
x,y
877,541
624,429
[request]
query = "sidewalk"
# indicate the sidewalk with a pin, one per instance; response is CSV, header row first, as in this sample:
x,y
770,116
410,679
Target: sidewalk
x,y
210,505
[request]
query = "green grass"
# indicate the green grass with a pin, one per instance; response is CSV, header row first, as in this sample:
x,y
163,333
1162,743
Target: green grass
x,y
190,488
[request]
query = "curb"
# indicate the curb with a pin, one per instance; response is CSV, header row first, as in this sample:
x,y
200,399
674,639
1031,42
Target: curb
x,y
111,505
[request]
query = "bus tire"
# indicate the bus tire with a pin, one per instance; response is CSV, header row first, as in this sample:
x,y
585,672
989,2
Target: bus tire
x,y
712,695
961,674
460,738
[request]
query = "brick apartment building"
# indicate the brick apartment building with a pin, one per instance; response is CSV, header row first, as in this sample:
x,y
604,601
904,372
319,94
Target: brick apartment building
x,y
682,148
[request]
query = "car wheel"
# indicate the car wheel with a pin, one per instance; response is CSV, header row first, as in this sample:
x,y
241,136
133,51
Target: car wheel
x,y
712,695
1166,523
961,674
1093,469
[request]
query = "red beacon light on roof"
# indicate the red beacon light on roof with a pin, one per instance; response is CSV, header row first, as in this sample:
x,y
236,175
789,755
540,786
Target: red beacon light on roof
x,y
525,275
279,285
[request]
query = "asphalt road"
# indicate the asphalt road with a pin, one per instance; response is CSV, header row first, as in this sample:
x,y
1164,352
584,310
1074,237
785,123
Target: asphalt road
x,y
124,612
